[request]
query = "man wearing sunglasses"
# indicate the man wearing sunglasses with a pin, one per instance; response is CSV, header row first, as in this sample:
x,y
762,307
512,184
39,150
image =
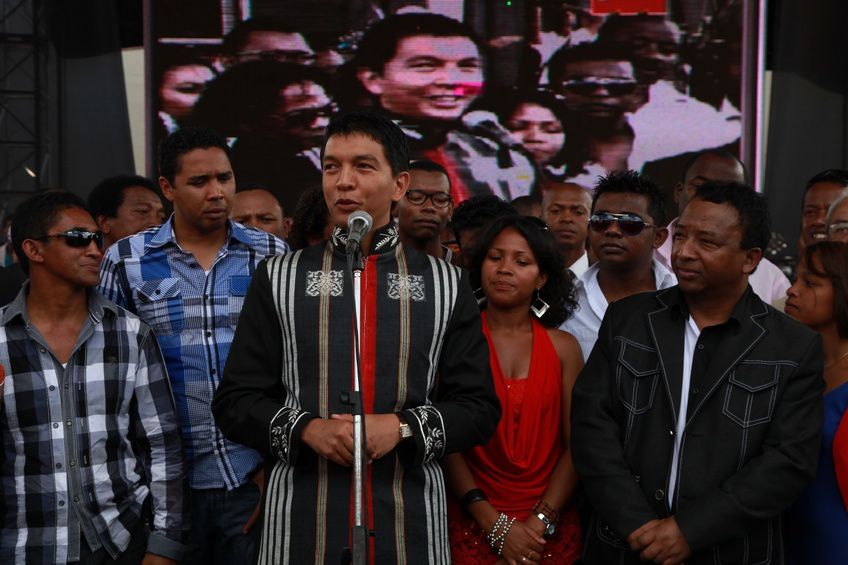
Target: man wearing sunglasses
x,y
426,208
626,226
187,280
91,454
697,419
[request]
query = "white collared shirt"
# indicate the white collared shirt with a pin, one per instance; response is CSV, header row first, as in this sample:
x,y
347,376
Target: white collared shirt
x,y
689,342
592,304
580,266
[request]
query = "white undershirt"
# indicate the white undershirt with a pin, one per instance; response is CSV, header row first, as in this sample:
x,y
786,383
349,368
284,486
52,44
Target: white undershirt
x,y
689,342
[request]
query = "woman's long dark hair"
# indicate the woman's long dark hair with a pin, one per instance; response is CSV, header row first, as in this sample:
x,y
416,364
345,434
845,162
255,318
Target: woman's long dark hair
x,y
833,258
558,291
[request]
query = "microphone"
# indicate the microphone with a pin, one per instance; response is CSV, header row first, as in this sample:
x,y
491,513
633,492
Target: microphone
x,y
358,224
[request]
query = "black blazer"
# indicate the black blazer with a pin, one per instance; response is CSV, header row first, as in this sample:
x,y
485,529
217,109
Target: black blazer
x,y
751,438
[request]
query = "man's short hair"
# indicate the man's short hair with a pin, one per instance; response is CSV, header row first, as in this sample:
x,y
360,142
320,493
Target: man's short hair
x,y
583,52
377,127
835,176
631,182
429,166
237,38
751,207
617,23
105,199
36,215
721,154
478,212
380,42
181,142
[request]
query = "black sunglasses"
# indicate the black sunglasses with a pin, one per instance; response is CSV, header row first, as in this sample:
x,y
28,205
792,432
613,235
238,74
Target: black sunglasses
x,y
538,222
419,197
305,118
589,87
76,238
630,224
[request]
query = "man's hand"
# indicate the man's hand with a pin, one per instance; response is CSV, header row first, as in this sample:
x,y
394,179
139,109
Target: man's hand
x,y
153,559
382,433
258,479
633,538
331,439
664,543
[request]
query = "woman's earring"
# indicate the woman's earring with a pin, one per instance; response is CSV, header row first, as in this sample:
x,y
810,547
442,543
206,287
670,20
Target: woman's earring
x,y
480,296
539,306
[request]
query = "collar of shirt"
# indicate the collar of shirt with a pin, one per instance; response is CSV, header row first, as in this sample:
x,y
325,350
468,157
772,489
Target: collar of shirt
x,y
663,278
97,306
165,234
579,267
384,239
742,310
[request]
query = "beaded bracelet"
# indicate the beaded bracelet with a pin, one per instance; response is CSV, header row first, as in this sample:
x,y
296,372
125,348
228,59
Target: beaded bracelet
x,y
496,540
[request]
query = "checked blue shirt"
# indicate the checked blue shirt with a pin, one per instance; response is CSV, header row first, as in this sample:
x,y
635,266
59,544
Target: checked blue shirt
x,y
193,314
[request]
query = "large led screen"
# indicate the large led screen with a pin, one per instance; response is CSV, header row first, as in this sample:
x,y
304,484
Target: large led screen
x,y
509,96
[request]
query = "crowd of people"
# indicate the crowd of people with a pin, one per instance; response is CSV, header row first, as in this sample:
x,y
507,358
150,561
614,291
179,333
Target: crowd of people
x,y
550,368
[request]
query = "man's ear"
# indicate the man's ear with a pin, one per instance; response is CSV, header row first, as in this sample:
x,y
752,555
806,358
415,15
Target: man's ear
x,y
104,223
753,257
401,185
678,188
660,235
370,81
33,251
166,188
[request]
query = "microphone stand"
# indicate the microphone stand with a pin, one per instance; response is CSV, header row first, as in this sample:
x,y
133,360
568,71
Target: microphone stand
x,y
357,554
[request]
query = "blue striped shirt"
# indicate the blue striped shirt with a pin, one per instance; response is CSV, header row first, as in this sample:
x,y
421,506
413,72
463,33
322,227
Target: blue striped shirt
x,y
193,314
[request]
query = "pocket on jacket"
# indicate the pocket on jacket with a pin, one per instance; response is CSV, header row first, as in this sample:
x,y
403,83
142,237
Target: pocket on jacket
x,y
160,305
751,392
757,548
637,376
235,299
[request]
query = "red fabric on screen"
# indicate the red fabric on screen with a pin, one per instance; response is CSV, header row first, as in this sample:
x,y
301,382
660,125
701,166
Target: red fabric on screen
x,y
840,458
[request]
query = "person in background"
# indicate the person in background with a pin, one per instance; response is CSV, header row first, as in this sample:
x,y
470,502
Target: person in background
x,y
183,78
125,205
266,39
626,226
426,208
513,492
837,220
818,521
471,217
91,453
820,192
697,419
565,209
311,219
256,207
187,280
768,281
528,206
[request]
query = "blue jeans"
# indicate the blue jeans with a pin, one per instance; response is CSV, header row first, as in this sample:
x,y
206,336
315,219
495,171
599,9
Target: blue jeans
x,y
217,519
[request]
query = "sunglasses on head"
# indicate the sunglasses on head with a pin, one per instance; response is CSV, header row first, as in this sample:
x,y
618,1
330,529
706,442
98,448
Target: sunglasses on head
x,y
629,224
588,87
76,238
418,197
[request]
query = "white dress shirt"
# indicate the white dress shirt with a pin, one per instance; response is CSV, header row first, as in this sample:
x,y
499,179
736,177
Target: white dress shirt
x,y
592,305
580,266
689,342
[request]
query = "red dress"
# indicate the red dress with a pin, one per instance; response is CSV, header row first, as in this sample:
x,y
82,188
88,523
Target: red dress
x,y
514,468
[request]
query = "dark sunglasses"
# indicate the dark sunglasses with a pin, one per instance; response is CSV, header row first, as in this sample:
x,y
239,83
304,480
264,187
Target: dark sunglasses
x,y
630,224
76,238
538,222
419,197
589,87
307,117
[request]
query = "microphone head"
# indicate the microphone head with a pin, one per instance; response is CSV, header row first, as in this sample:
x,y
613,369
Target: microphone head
x,y
361,217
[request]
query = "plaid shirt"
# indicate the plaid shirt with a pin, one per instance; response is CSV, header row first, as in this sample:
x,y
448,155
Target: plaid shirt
x,y
86,445
194,315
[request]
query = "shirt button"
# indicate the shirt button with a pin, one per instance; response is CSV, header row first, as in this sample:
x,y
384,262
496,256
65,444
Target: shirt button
x,y
659,495
671,432
213,371
61,503
76,499
696,390
208,333
55,425
51,387
701,346
68,423
73,462
58,465
43,350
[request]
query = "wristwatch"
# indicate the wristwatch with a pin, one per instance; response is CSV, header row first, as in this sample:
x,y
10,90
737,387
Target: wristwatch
x,y
550,527
404,430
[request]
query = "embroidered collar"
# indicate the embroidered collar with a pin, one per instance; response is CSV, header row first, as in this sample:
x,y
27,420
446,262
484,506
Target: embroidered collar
x,y
385,238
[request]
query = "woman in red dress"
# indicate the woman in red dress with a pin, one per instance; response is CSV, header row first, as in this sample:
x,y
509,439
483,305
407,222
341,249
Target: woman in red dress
x,y
512,494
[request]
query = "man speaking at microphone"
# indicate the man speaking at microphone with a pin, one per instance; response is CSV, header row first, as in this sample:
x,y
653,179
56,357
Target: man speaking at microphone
x,y
426,385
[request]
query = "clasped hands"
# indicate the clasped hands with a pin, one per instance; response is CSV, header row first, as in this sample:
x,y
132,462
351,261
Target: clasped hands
x,y
332,438
660,541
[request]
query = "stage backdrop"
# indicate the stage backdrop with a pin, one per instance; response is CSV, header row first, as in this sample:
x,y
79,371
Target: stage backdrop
x,y
509,95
